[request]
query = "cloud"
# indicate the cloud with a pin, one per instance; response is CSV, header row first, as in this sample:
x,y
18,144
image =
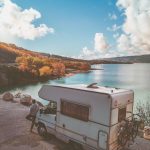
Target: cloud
x,y
124,43
87,54
100,48
112,16
113,28
116,35
136,26
16,22
100,43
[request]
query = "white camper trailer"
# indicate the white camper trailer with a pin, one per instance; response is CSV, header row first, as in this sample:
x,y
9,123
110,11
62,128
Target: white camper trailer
x,y
88,115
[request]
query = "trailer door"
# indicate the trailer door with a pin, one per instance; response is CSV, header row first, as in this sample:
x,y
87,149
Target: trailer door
x,y
102,140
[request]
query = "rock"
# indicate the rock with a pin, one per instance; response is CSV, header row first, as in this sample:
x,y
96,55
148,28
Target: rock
x,y
26,100
8,96
147,132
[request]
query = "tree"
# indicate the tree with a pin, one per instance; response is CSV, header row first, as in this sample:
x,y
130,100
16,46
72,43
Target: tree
x,y
45,71
40,66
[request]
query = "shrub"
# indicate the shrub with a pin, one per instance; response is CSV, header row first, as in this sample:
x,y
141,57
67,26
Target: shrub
x,y
144,110
40,66
45,71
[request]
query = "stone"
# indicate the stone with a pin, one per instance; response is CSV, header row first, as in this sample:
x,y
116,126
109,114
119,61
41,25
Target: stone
x,y
7,96
26,100
147,132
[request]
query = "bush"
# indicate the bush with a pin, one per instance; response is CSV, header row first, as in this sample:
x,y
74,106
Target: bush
x,y
45,71
144,111
40,66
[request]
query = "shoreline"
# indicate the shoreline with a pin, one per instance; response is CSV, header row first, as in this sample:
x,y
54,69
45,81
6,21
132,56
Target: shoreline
x,y
36,81
74,72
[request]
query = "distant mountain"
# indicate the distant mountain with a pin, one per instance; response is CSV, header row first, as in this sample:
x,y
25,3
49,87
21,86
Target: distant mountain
x,y
133,59
123,60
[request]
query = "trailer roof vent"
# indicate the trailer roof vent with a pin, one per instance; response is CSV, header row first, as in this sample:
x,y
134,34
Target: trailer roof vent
x,y
92,85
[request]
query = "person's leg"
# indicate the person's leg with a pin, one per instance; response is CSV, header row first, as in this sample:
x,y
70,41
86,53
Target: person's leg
x,y
32,125
28,117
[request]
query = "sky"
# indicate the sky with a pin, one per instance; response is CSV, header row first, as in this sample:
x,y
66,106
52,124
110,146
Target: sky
x,y
87,29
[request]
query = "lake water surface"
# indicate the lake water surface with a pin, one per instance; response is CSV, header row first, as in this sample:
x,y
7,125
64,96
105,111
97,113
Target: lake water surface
x,y
129,76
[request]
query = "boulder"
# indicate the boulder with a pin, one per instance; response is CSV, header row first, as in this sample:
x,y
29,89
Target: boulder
x,y
8,96
26,100
147,132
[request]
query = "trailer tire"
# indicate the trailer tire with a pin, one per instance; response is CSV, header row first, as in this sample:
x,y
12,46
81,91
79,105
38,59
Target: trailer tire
x,y
42,130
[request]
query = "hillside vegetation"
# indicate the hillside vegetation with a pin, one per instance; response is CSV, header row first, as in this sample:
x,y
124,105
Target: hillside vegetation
x,y
9,52
19,65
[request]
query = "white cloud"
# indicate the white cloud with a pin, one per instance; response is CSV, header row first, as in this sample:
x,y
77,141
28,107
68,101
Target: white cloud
x,y
100,48
123,42
93,54
16,22
112,16
100,43
87,54
136,25
116,35
113,28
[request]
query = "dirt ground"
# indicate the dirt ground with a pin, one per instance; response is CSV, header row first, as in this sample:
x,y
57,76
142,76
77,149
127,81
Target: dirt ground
x,y
15,132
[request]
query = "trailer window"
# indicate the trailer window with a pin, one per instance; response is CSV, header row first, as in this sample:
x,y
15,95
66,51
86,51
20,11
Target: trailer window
x,y
51,108
121,114
75,110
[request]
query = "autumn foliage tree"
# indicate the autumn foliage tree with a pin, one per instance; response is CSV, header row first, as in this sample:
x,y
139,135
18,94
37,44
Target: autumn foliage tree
x,y
45,71
40,66
58,69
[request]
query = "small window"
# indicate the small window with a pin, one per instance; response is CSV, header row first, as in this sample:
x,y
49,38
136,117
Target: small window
x,y
121,114
51,108
74,110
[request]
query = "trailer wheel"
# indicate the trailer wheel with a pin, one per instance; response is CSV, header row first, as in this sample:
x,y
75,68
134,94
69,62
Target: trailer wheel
x,y
42,130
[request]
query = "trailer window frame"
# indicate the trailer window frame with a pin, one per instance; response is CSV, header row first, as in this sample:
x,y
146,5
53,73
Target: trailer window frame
x,y
75,110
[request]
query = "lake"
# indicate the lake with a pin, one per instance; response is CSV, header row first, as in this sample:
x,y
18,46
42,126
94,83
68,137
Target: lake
x,y
128,76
